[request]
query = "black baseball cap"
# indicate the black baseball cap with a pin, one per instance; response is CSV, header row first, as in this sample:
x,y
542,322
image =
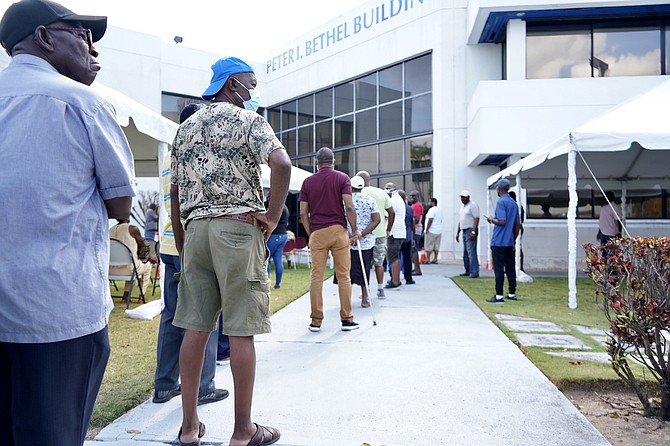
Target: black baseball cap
x,y
21,19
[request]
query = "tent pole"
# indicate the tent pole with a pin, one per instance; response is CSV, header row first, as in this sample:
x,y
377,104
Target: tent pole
x,y
572,230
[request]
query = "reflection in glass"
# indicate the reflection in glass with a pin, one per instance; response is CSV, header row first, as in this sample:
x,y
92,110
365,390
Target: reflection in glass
x,y
667,50
344,162
419,153
324,104
172,105
344,131
366,159
419,114
324,134
390,120
423,182
553,204
390,84
644,203
398,180
306,110
288,115
288,140
390,156
344,98
553,54
366,92
305,144
418,78
306,163
626,51
274,118
366,126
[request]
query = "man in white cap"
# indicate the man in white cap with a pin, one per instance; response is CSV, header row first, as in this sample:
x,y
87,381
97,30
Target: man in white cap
x,y
62,152
468,224
220,227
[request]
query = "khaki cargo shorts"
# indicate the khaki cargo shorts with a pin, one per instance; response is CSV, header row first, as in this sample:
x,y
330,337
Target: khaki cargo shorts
x,y
224,271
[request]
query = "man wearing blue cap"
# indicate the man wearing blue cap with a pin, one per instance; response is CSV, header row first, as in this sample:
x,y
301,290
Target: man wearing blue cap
x,y
505,232
220,226
63,152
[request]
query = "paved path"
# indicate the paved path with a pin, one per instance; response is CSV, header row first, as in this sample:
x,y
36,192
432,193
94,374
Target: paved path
x,y
434,371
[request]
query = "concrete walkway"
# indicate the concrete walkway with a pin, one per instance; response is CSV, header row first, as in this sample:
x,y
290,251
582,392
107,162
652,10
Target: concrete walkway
x,y
434,371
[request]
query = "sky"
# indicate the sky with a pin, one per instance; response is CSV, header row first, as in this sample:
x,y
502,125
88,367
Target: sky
x,y
249,29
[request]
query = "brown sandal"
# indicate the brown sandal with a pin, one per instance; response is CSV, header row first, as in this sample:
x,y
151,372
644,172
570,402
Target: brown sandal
x,y
264,435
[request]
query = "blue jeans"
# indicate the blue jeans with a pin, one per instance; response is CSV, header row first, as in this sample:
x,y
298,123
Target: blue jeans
x,y
470,260
170,337
276,244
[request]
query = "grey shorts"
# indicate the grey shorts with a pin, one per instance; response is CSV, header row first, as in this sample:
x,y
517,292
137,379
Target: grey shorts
x,y
224,271
433,241
394,248
379,251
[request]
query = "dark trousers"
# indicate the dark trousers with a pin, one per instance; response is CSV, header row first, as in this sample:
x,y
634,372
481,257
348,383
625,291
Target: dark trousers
x,y
503,263
406,252
170,337
47,391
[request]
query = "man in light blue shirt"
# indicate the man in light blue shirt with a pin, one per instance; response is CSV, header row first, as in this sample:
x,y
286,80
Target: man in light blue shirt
x,y
66,169
507,225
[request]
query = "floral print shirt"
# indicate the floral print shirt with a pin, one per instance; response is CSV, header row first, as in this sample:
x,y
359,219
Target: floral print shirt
x,y
365,207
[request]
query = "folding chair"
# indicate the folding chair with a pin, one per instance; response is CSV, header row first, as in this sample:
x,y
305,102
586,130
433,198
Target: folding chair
x,y
288,253
121,255
301,249
154,253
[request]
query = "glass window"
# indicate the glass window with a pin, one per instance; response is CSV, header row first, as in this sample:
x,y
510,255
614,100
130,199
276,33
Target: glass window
x,y
419,114
366,126
366,92
632,51
543,203
390,120
288,115
423,182
344,131
305,163
324,104
644,203
274,118
324,134
390,157
172,105
366,159
418,77
305,140
288,140
344,162
419,152
398,180
667,48
390,84
553,54
344,98
306,110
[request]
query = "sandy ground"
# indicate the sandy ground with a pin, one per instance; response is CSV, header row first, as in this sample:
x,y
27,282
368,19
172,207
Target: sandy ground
x,y
617,414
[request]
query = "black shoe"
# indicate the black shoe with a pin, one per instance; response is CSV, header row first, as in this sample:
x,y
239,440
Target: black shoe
x,y
495,300
163,396
314,328
511,297
474,276
417,273
213,396
349,325
409,282
391,285
464,274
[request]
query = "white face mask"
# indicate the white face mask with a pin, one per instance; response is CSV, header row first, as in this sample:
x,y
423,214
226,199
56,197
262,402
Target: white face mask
x,y
254,98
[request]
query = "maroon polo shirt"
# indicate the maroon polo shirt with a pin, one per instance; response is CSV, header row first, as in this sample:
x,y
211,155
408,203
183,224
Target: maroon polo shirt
x,y
323,192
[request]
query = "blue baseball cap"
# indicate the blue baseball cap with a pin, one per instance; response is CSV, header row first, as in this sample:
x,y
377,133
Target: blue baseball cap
x,y
503,183
222,69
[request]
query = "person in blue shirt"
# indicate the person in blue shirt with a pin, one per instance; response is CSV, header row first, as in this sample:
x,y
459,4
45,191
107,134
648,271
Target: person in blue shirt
x,y
505,232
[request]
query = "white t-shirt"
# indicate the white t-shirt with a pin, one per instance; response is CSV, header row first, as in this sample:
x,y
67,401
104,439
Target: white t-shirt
x,y
467,215
398,229
436,214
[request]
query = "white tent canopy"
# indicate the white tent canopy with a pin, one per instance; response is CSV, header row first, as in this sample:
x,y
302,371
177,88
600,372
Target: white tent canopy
x,y
629,143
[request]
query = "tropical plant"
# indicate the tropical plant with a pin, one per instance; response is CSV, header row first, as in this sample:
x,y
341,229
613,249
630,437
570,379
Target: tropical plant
x,y
633,276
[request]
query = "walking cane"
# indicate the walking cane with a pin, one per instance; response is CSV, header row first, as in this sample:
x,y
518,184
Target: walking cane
x,y
365,279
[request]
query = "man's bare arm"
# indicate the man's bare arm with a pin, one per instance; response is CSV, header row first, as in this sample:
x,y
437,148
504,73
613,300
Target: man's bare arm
x,y
119,208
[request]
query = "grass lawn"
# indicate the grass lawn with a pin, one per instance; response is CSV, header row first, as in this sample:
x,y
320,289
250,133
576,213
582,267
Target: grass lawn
x,y
546,299
129,376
